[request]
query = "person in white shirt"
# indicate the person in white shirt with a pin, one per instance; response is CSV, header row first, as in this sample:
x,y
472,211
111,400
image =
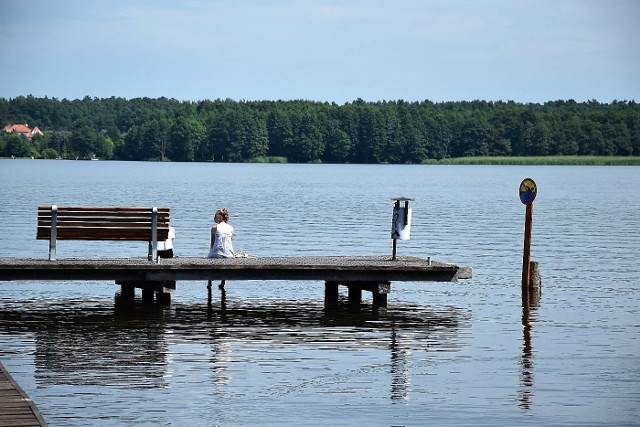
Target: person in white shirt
x,y
221,236
165,249
221,240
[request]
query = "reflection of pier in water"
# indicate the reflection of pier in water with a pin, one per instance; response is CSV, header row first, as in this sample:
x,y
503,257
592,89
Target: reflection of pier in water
x,y
80,345
408,330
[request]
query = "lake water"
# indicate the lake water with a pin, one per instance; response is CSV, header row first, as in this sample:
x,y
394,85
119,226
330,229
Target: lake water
x,y
270,354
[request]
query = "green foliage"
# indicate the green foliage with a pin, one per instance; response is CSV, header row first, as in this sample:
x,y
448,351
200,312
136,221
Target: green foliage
x,y
15,145
268,159
83,139
57,141
305,131
50,153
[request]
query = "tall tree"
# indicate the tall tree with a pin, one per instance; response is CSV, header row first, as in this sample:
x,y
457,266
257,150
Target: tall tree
x,y
280,132
186,134
371,136
84,139
339,147
307,144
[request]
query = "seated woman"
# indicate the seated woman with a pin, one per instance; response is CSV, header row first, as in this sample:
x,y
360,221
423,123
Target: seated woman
x,y
165,248
221,236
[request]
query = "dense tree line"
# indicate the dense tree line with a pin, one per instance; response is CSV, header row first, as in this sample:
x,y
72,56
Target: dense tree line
x,y
307,131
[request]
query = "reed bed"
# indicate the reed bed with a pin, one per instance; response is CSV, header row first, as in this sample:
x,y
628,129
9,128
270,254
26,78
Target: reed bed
x,y
543,160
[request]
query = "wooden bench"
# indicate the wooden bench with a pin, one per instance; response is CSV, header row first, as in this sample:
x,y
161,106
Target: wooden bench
x,y
149,224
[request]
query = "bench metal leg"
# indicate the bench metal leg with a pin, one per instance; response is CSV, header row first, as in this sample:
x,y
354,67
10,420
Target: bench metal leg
x,y
153,244
54,233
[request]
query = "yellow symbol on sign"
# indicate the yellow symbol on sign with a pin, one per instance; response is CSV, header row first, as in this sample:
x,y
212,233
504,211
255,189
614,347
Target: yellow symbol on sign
x,y
528,190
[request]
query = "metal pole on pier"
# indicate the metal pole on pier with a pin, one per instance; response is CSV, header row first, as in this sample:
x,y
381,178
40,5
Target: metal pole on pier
x,y
400,222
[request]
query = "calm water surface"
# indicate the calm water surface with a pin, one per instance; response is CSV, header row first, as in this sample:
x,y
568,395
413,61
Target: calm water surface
x,y
270,354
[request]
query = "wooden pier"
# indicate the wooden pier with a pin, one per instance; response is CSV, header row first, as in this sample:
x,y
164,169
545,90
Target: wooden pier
x,y
16,408
370,273
157,280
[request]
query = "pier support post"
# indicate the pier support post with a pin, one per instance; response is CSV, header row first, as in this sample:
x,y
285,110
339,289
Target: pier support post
x,y
331,293
163,292
379,292
148,296
163,298
127,293
152,290
355,294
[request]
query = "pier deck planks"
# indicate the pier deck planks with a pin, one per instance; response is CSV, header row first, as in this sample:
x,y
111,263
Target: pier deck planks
x,y
327,268
16,409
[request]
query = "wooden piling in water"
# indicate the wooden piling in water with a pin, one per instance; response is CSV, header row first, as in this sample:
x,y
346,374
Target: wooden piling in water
x,y
148,296
355,294
153,291
127,293
535,281
331,293
379,292
535,284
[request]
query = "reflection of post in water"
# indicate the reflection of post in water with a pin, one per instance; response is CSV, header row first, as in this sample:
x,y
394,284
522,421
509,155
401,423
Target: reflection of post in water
x,y
531,299
312,323
223,298
399,370
220,359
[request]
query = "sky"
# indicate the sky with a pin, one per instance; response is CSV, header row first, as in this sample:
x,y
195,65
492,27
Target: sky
x,y
322,50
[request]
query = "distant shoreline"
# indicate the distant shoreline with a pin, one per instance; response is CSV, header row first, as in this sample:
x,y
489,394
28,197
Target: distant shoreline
x,y
517,161
543,161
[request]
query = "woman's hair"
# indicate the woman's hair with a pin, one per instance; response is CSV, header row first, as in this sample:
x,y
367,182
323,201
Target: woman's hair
x,y
224,213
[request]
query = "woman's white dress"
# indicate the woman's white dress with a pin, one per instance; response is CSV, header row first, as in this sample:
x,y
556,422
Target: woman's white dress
x,y
222,243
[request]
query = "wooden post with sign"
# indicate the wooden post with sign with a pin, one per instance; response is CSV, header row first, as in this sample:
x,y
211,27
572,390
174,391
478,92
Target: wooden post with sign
x,y
528,191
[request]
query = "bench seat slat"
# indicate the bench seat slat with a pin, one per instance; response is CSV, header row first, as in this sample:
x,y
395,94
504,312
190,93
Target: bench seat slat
x,y
93,233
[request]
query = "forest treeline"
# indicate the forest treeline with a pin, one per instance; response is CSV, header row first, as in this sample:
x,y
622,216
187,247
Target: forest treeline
x,y
302,131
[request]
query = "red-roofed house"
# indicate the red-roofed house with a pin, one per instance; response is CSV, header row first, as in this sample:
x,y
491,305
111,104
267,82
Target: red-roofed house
x,y
23,130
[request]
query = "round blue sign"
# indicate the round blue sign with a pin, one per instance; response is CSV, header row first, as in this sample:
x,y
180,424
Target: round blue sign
x,y
528,190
